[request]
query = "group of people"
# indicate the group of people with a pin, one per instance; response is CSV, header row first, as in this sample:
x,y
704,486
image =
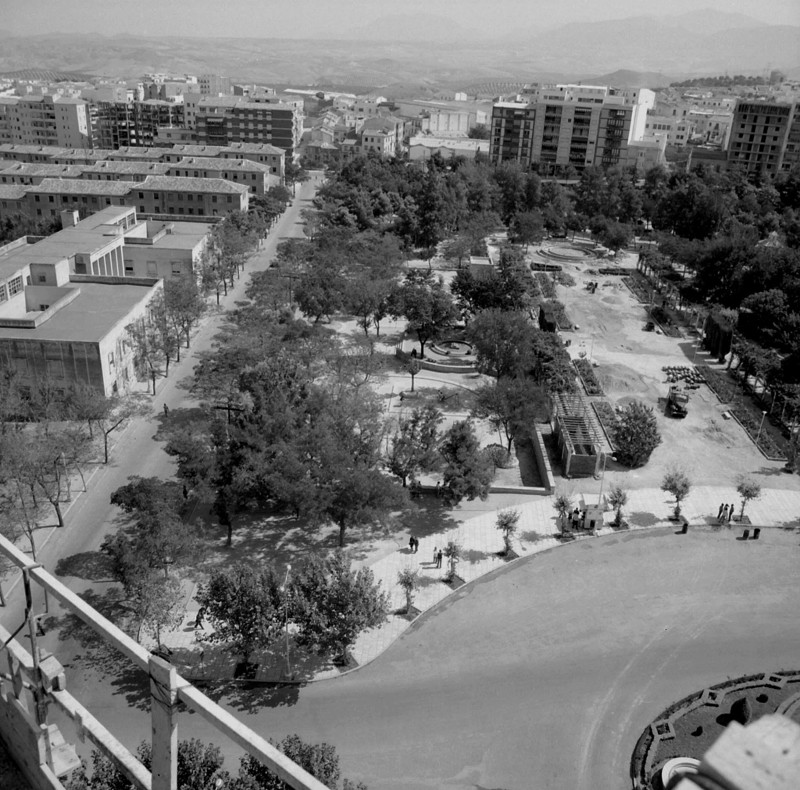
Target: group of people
x,y
413,544
725,514
578,518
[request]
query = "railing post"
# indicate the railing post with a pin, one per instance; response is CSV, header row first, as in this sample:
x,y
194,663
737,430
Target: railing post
x,y
164,742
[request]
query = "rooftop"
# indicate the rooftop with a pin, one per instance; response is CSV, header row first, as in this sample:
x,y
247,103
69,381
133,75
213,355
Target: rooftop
x,y
20,148
13,191
76,186
253,148
98,308
181,184
41,169
123,166
218,163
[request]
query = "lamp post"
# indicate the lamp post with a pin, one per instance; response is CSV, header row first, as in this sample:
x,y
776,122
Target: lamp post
x,y
285,591
603,475
758,435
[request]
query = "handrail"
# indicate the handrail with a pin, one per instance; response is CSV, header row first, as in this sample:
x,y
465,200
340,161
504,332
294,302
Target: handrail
x,y
243,736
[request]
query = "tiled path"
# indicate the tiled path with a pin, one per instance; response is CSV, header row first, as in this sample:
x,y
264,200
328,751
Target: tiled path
x,y
481,542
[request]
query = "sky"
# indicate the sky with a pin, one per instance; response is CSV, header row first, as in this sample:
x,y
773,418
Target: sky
x,y
318,18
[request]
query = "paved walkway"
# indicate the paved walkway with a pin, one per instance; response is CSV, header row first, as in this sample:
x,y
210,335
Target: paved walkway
x,y
481,542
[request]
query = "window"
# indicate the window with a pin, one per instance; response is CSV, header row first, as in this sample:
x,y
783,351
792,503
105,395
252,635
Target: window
x,y
111,359
51,198
230,199
177,269
42,278
36,198
214,200
152,268
43,307
141,197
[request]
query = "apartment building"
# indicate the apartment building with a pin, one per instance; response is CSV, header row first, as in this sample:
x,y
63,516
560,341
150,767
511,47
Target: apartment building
x,y
134,123
32,173
261,153
45,120
562,126
214,85
759,136
254,119
51,196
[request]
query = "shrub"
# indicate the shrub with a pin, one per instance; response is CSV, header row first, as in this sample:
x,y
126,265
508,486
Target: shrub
x,y
636,435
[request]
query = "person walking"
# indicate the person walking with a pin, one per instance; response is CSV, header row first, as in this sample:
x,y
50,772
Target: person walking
x,y
435,551
723,514
416,545
411,544
198,623
166,410
719,514
731,511
439,558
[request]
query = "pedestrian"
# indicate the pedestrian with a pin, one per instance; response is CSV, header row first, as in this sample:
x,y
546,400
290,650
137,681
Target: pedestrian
x,y
416,545
723,514
439,558
576,517
435,551
438,488
731,511
166,410
411,544
198,623
719,515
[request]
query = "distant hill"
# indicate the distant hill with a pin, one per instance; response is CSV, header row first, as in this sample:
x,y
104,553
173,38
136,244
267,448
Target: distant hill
x,y
45,74
624,78
411,27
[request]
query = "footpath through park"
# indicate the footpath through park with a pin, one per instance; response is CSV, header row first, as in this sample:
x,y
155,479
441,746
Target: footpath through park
x,y
481,554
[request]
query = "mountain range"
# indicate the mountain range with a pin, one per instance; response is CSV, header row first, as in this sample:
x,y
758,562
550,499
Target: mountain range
x,y
398,50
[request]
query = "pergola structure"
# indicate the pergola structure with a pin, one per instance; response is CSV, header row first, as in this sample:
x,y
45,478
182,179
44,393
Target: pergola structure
x,y
579,438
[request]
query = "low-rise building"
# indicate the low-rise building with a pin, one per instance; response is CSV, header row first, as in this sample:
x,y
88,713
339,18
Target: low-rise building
x,y
203,197
51,196
255,176
423,147
119,170
30,173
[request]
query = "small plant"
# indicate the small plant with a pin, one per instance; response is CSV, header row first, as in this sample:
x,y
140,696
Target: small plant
x,y
747,489
677,483
618,498
563,506
507,522
453,553
408,579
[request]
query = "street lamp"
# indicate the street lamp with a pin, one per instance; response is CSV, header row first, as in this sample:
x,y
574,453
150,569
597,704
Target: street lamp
x,y
758,435
285,591
606,456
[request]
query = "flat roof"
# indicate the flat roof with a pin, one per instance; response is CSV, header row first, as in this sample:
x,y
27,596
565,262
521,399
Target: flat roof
x,y
183,235
89,318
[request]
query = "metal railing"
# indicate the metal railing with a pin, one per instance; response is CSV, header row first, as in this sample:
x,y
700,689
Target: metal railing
x,y
32,681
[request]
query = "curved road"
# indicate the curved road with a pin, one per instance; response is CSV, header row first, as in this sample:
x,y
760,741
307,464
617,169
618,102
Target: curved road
x,y
545,675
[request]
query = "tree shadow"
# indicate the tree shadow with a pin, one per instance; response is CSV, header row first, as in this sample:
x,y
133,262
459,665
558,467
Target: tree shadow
x,y
532,536
95,654
643,519
93,566
473,555
771,471
176,419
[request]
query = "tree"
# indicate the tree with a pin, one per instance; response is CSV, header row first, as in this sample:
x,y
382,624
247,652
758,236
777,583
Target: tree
x,y
618,498
184,305
149,354
502,341
457,249
428,308
636,435
245,606
747,489
320,760
157,537
413,367
453,551
158,605
527,228
677,483
507,522
332,604
468,473
511,403
563,506
413,447
408,579
480,131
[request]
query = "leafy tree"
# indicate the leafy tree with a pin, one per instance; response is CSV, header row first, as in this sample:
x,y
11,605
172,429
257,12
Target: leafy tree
x,y
507,522
618,498
184,305
158,605
408,579
413,367
502,341
453,551
245,606
468,473
320,760
427,307
480,131
332,604
636,435
677,483
510,403
528,228
149,352
158,537
748,489
413,447
563,506
457,249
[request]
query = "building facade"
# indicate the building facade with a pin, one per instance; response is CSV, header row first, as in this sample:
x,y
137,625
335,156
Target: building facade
x,y
759,136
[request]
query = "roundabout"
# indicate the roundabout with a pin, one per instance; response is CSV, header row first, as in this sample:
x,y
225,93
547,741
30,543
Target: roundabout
x,y
544,675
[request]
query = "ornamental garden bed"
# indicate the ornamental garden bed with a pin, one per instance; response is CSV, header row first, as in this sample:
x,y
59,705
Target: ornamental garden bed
x,y
545,285
641,290
608,419
747,413
587,376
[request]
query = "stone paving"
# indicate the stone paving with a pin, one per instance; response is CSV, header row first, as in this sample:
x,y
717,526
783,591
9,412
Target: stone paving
x,y
481,546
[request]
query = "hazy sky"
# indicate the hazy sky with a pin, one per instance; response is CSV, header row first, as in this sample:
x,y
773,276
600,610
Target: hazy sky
x,y
303,18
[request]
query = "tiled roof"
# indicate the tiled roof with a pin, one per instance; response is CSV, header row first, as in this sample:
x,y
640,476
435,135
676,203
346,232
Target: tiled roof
x,y
124,166
217,163
12,191
180,184
41,169
253,148
77,186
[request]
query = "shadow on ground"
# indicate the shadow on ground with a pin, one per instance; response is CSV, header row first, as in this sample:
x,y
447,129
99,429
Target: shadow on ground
x,y
93,566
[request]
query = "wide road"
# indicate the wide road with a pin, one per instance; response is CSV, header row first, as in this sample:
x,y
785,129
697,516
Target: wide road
x,y
544,676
